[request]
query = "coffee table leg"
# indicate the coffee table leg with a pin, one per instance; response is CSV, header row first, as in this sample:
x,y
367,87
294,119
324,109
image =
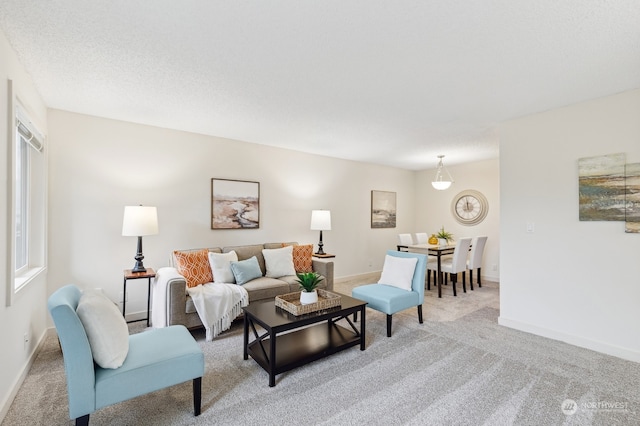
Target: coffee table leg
x,y
272,360
245,353
362,329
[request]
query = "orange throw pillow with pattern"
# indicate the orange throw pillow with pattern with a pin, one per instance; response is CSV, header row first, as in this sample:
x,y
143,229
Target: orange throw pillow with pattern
x,y
302,260
194,266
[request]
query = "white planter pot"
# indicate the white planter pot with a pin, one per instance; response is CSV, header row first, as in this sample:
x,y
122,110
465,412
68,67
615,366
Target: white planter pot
x,y
308,297
442,242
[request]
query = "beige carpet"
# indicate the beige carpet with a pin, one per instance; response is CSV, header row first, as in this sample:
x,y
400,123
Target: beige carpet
x,y
458,368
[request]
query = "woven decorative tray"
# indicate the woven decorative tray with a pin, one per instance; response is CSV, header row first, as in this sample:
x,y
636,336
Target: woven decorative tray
x,y
290,302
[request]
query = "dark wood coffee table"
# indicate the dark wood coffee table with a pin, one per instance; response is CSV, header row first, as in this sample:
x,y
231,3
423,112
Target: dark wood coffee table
x,y
316,334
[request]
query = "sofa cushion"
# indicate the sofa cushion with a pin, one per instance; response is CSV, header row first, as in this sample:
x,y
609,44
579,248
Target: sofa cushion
x,y
294,285
247,252
246,270
266,288
279,262
173,262
106,329
194,266
303,258
221,266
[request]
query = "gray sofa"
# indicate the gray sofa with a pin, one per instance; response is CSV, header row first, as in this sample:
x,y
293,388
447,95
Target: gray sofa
x,y
180,308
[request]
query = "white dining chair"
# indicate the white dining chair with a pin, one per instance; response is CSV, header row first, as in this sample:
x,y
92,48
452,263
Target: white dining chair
x,y
404,240
475,259
455,264
422,238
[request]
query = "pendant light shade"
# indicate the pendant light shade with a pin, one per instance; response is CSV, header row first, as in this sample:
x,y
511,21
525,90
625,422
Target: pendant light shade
x,y
443,179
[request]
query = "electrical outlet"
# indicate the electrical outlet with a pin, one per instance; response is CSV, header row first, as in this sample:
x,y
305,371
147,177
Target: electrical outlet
x,y
531,227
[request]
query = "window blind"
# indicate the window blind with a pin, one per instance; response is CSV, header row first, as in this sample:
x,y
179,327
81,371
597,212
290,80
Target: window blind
x,y
28,133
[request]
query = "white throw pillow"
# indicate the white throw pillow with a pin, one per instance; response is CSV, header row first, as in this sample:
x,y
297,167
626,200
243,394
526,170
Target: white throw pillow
x,y
398,271
279,262
106,329
221,267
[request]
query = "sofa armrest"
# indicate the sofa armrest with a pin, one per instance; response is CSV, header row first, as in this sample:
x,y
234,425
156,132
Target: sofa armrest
x,y
176,301
324,268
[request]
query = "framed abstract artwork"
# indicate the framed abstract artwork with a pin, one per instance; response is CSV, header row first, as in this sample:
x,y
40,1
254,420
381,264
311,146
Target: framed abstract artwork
x,y
632,198
601,187
235,204
383,209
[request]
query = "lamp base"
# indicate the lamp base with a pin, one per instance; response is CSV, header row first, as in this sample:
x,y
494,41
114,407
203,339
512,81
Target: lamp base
x,y
139,267
320,244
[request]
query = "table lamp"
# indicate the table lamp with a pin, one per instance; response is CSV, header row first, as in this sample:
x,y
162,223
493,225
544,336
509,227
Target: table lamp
x,y
320,221
139,221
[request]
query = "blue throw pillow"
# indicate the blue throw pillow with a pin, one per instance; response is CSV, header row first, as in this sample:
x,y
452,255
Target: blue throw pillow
x,y
246,270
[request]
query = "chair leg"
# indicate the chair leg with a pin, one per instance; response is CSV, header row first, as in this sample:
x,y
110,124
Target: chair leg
x,y
389,325
82,421
471,279
479,282
355,316
454,279
420,314
428,279
197,395
464,284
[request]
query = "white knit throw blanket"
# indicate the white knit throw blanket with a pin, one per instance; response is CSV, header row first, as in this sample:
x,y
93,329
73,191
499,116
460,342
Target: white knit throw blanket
x,y
218,305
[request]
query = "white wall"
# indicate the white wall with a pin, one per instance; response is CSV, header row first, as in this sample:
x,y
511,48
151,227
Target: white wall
x,y
27,313
569,280
97,166
433,208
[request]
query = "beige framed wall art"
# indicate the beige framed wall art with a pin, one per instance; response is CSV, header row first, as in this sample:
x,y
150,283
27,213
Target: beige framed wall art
x,y
383,209
235,204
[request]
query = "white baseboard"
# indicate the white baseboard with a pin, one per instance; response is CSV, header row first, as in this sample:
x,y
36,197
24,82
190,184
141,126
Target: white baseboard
x,y
6,404
373,276
582,342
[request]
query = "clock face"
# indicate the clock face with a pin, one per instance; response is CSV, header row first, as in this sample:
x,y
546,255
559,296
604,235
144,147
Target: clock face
x,y
469,207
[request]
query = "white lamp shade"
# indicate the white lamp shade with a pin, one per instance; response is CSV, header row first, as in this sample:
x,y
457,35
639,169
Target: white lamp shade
x,y
440,182
139,221
441,185
321,220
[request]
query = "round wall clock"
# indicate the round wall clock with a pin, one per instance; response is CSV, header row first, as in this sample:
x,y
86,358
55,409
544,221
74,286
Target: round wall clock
x,y
469,207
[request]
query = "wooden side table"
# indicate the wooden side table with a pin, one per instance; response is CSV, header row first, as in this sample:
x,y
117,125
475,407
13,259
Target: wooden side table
x,y
128,275
324,256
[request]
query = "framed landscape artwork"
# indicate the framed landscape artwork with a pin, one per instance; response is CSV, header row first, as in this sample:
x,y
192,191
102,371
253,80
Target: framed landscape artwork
x,y
601,187
235,204
632,198
383,209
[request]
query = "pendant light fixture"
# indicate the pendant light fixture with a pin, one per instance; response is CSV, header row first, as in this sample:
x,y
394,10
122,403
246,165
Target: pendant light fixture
x,y
443,179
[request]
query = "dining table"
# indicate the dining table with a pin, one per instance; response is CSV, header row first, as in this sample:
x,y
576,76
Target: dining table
x,y
434,250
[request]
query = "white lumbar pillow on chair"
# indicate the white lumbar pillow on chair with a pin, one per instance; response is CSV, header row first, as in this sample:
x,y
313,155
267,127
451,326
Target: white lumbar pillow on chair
x,y
106,329
398,271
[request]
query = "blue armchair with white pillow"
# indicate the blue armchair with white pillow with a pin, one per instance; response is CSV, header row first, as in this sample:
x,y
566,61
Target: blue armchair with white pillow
x,y
104,365
401,285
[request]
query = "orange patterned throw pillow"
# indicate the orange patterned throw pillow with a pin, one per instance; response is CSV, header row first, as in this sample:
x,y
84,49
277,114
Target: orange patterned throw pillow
x,y
302,261
194,266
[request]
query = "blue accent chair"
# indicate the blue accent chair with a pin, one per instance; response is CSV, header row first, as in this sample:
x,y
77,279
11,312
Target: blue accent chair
x,y
389,299
156,359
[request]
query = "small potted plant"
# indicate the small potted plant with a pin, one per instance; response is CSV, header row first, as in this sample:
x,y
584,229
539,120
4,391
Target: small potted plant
x,y
308,282
444,237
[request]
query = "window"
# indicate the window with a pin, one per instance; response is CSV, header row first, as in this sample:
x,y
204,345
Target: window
x,y
21,205
28,206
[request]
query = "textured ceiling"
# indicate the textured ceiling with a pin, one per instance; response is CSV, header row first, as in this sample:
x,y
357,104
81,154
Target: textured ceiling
x,y
387,82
